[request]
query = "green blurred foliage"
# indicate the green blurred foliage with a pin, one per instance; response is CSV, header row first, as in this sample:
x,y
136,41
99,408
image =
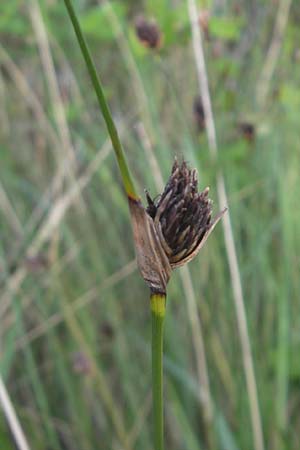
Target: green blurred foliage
x,y
75,321
95,22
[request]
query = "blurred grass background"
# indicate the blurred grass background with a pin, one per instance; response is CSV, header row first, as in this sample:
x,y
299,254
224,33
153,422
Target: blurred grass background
x,y
75,320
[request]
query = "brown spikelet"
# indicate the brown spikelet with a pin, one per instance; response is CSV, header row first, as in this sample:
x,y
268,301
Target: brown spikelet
x,y
148,32
173,228
247,130
198,111
182,215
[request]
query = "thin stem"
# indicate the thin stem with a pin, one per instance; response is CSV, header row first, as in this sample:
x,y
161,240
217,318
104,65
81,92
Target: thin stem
x,y
228,232
126,176
264,82
158,309
12,419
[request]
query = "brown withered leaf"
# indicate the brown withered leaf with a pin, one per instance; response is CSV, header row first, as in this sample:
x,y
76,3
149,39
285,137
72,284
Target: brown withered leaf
x,y
152,260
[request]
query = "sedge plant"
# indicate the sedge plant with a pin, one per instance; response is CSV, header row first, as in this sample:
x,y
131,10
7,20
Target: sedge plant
x,y
168,233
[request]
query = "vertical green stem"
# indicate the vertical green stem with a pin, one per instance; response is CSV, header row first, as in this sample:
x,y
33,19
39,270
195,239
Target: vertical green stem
x,y
125,173
158,309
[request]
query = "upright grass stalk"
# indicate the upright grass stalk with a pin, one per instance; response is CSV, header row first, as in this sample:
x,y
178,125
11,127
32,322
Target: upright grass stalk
x,y
113,133
158,301
12,419
238,295
167,234
158,310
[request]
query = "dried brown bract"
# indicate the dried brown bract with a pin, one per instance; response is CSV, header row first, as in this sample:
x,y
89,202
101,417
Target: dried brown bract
x,y
148,32
151,258
173,228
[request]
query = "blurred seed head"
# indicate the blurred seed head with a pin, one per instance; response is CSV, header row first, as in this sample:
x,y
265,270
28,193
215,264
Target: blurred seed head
x,y
148,32
107,330
198,111
237,9
247,130
36,263
81,363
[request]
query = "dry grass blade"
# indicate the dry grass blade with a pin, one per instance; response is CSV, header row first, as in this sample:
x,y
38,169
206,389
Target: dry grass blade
x,y
4,121
267,72
139,423
228,233
29,96
49,70
9,212
81,302
12,419
101,381
52,221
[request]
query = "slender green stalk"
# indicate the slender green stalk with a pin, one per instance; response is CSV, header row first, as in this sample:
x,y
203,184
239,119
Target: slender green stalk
x,y
126,176
158,301
158,309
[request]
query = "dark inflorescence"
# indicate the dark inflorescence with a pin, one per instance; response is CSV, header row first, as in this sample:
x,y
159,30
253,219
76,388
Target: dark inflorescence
x,y
181,214
148,32
199,115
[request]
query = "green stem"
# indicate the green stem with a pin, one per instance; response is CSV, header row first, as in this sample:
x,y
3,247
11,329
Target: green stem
x,y
158,308
126,176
